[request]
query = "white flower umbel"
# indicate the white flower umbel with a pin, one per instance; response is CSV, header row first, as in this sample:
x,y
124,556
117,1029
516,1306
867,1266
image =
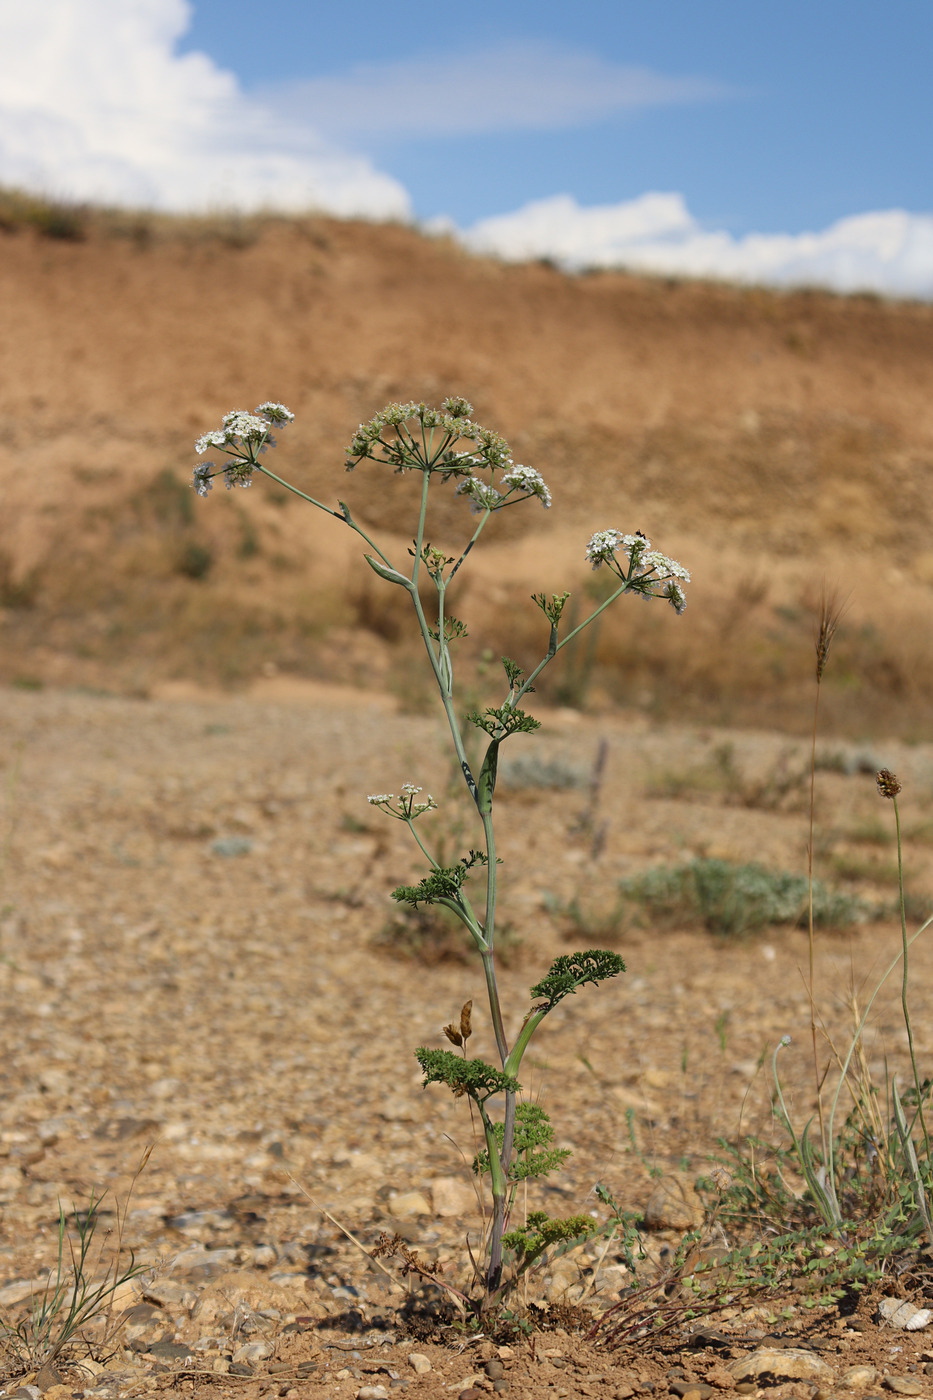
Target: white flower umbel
x,y
480,496
675,596
246,427
602,547
275,413
244,437
528,481
404,808
202,478
647,572
209,440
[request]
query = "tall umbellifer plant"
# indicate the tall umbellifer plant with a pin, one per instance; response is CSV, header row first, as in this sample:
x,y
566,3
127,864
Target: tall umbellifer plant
x,y
444,446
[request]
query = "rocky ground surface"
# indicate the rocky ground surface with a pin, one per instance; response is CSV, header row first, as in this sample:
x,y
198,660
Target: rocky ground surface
x,y
192,887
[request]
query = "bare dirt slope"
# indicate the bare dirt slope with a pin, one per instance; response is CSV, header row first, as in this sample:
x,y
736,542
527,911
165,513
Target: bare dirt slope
x,y
765,438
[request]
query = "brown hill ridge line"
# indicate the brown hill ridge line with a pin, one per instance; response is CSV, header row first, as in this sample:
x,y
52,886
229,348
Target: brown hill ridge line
x,y
791,431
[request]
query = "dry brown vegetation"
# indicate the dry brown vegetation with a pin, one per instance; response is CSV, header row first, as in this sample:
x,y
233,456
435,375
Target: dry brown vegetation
x,y
767,439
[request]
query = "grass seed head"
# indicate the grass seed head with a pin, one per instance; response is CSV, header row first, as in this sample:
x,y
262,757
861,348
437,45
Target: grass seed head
x,y
453,1035
889,785
830,615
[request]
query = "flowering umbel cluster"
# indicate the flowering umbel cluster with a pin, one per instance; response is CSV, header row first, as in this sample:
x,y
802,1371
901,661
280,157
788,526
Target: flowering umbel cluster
x,y
404,807
243,437
414,437
647,571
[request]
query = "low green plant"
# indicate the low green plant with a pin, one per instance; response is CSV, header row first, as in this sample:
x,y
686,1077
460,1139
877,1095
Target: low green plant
x,y
864,1156
532,771
89,1271
734,900
877,1163
845,1198
440,447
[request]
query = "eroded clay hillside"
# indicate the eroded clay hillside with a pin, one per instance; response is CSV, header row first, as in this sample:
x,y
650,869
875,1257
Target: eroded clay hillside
x,y
769,440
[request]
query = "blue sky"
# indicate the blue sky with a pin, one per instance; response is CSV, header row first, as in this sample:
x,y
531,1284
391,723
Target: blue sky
x,y
824,109
778,142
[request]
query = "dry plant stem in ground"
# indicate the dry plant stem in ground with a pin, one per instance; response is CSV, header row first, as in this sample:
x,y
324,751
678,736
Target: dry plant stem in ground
x,y
829,617
444,446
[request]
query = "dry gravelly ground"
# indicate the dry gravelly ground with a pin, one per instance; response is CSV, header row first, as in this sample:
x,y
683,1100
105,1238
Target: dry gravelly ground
x,y
230,1010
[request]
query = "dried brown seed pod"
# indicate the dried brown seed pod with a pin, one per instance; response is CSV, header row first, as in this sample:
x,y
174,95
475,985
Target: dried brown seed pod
x,y
453,1035
888,783
466,1024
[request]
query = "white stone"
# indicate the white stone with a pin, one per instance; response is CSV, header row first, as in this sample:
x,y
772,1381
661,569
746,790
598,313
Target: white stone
x,y
254,1351
785,1363
898,1313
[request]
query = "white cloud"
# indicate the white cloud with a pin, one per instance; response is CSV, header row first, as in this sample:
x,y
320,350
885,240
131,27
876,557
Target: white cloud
x,y
527,85
96,104
889,252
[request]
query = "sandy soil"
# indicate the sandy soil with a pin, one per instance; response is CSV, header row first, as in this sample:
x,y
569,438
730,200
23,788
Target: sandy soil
x,y
191,886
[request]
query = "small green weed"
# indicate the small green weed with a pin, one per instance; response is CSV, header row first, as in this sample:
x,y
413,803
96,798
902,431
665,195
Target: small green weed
x,y
867,1174
732,900
81,1288
530,770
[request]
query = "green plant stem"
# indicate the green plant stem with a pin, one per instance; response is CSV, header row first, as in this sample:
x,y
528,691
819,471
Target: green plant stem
x,y
495,1010
553,650
435,865
498,1185
904,978
907,943
445,686
475,536
523,1040
823,1191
